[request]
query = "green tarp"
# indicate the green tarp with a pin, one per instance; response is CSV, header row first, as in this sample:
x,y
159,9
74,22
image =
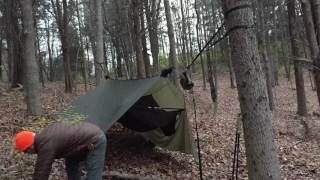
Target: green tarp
x,y
105,105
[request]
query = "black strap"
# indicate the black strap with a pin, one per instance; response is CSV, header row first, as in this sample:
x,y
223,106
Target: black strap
x,y
211,43
197,134
206,45
235,164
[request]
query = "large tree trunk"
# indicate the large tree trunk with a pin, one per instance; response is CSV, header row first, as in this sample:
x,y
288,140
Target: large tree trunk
x,y
172,53
66,48
229,61
152,21
31,70
193,69
83,61
315,6
199,44
99,61
256,116
13,43
265,53
146,58
39,57
51,69
312,39
184,34
62,19
274,37
296,52
137,39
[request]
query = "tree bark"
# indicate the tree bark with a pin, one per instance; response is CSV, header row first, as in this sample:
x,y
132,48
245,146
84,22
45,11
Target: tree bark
x,y
152,21
66,48
172,53
62,19
199,44
32,85
146,58
51,69
296,52
191,46
83,60
99,61
312,39
315,7
265,53
256,116
137,39
13,43
184,34
230,66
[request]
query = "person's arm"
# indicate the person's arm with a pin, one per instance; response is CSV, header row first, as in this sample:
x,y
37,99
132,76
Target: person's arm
x,y
43,165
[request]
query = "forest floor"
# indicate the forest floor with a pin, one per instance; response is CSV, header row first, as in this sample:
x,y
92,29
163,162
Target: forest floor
x,y
297,138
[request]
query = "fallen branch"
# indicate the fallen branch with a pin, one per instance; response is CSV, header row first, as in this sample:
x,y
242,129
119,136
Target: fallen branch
x,y
124,176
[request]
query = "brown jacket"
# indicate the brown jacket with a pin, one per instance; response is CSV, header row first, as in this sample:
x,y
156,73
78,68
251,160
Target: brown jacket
x,y
62,141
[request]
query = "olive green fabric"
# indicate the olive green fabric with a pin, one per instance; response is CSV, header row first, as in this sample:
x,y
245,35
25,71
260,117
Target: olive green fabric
x,y
180,141
108,102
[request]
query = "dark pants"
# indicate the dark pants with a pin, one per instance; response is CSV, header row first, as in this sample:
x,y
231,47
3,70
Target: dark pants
x,y
94,162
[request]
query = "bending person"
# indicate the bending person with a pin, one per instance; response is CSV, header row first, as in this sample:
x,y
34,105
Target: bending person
x,y
74,142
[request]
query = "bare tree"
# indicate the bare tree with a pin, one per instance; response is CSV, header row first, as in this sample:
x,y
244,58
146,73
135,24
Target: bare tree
x,y
198,29
296,52
13,34
99,57
152,16
62,18
31,68
146,58
312,39
256,116
136,5
172,53
265,53
315,7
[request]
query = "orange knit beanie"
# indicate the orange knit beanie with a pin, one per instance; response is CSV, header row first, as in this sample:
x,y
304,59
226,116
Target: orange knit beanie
x,y
24,140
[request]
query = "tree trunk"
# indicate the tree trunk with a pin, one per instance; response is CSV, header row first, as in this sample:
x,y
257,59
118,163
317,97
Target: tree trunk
x,y
256,116
51,69
184,34
62,19
152,21
14,44
146,58
191,46
66,48
199,45
315,6
296,52
31,70
172,53
99,61
274,36
265,53
211,79
83,61
312,39
230,66
137,39
39,57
